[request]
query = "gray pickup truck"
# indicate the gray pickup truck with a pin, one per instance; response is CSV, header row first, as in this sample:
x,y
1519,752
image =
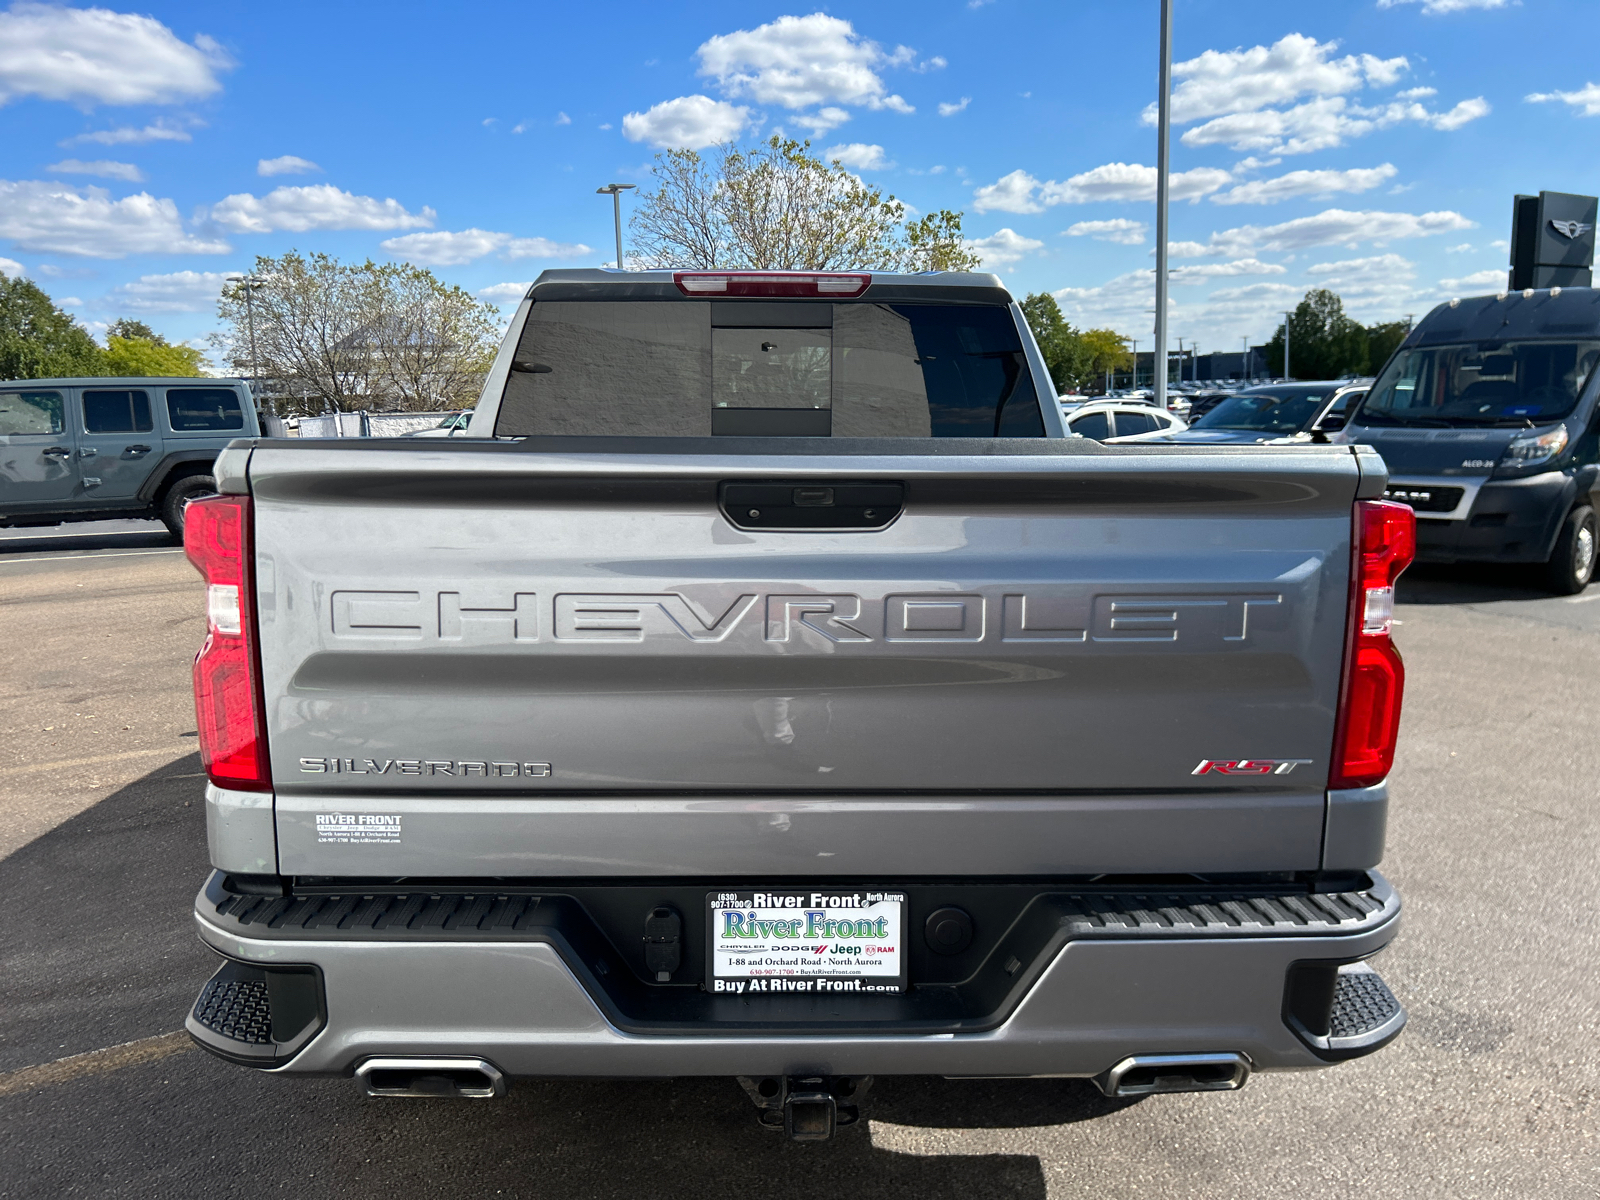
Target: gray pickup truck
x,y
769,688
91,449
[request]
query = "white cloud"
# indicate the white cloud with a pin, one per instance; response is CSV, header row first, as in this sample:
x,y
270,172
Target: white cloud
x,y
860,155
60,218
1113,181
316,206
1003,248
126,135
796,62
538,247
11,267
947,109
451,249
287,164
1012,193
1435,8
1120,230
1200,272
89,56
1296,184
1586,99
1322,124
1188,250
505,293
689,122
104,168
1478,281
1131,181
1466,110
1464,248
822,121
1236,81
1336,227
563,119
1294,97
1370,287
181,291
1416,93
445,249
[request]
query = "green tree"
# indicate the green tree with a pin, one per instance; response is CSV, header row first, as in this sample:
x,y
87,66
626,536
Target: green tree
x,y
1383,340
127,327
351,336
1106,350
1063,351
38,340
1324,343
777,207
150,356
1075,359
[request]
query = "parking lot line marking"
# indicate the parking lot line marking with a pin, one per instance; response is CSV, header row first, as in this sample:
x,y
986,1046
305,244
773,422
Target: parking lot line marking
x,y
1584,599
94,1062
112,554
87,762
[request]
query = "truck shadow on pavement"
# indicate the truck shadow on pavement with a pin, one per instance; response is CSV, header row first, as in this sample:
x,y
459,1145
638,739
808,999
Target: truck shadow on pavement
x,y
1468,583
100,950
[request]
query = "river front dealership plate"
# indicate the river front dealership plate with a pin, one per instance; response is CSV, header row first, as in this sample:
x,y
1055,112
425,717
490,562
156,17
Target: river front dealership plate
x,y
813,941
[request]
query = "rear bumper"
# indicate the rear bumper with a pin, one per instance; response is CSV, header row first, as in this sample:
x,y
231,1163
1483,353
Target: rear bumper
x,y
1100,989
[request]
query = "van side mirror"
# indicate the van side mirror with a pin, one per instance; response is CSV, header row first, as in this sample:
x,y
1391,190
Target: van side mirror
x,y
1331,422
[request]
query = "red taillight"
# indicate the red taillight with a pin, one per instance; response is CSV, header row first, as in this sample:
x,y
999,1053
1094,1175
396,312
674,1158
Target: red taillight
x,y
227,691
825,286
1374,677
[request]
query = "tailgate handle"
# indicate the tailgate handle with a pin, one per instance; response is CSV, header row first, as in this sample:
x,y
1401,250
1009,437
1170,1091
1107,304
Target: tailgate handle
x,y
806,505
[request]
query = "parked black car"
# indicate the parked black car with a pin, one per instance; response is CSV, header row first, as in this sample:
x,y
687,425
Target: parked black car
x,y
1272,412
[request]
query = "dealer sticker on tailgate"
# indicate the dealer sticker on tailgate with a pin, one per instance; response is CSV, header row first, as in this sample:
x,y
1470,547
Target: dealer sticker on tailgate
x,y
806,942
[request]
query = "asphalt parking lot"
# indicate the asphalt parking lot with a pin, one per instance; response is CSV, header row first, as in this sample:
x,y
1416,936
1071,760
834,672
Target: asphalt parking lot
x,y
1493,1091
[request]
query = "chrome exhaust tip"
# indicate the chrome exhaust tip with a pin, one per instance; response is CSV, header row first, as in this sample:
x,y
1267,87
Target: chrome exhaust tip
x,y
1157,1074
434,1078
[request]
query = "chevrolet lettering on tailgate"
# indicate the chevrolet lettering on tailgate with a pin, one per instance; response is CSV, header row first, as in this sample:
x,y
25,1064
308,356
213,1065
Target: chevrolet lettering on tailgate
x,y
839,619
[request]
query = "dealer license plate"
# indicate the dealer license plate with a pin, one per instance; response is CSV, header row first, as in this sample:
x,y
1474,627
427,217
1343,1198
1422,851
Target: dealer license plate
x,y
806,942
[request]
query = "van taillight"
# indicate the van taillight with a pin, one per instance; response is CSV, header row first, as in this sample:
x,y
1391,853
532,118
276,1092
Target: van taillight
x,y
1374,677
227,671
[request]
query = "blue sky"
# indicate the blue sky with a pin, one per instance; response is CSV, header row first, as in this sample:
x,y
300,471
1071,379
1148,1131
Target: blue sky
x,y
1372,146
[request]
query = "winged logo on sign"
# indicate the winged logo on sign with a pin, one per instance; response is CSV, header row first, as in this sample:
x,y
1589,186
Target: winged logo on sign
x,y
1570,229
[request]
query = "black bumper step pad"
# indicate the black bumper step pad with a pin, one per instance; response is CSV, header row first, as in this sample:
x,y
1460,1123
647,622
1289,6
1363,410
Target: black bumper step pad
x,y
1341,1010
258,1016
1362,1003
597,930
236,1009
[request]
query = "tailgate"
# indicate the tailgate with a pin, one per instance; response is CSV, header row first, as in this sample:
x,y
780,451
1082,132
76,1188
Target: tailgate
x,y
576,662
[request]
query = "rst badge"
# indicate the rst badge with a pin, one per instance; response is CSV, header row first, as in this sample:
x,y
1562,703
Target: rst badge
x,y
1249,766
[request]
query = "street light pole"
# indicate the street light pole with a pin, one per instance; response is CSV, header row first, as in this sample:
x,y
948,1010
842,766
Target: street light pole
x,y
1286,317
615,190
1163,165
250,283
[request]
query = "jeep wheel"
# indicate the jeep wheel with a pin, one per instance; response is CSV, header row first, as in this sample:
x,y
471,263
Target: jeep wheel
x,y
190,487
1571,564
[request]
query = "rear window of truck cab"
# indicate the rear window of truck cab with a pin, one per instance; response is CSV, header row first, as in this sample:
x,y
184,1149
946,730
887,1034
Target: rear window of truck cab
x,y
768,368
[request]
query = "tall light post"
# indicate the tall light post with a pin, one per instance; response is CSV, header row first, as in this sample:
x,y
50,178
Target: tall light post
x,y
615,190
1286,317
1163,169
250,283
